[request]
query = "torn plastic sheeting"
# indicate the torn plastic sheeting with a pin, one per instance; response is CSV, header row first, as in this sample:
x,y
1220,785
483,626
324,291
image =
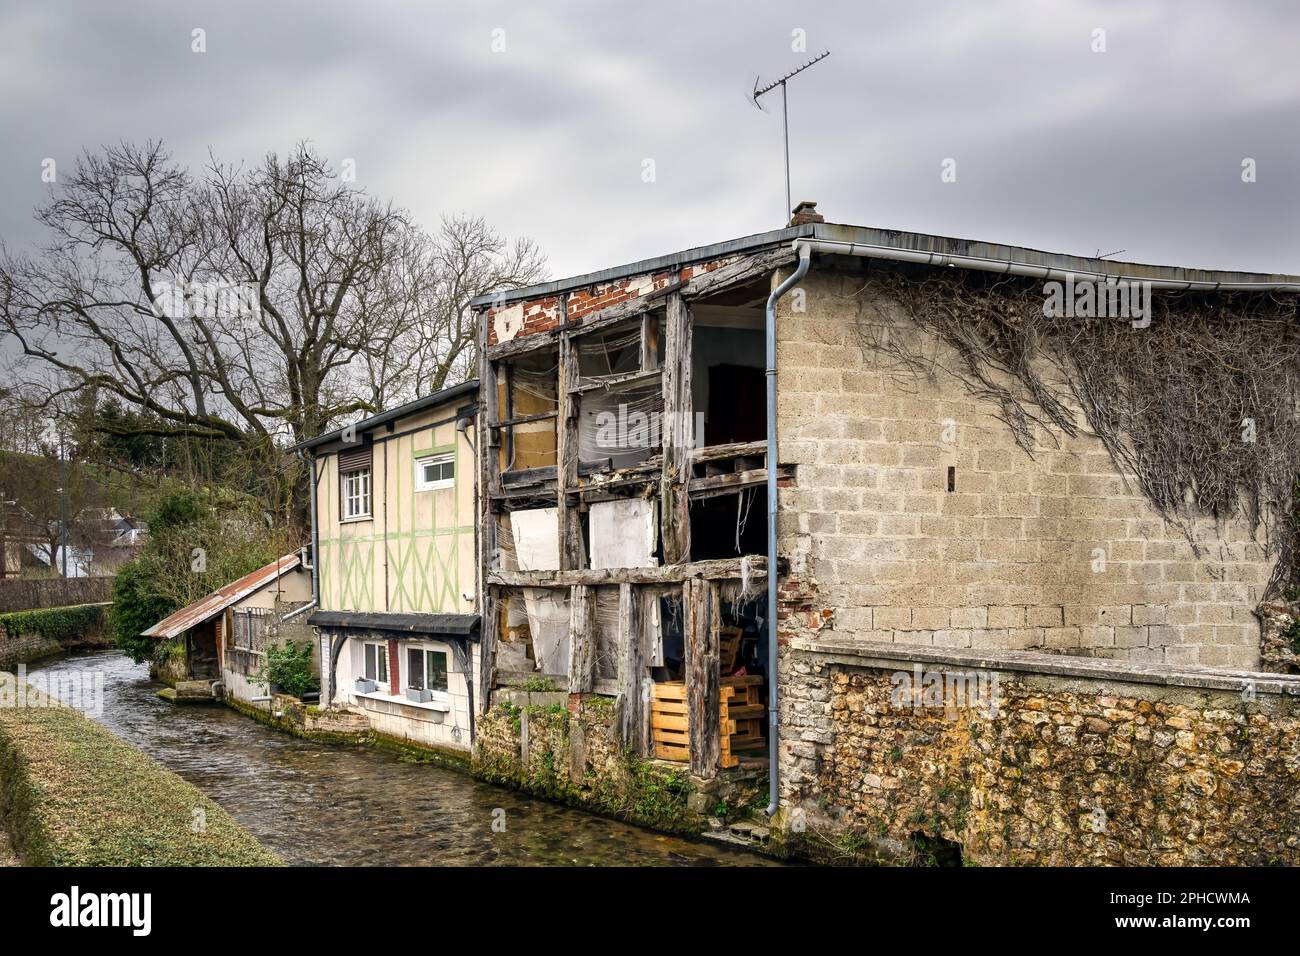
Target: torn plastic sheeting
x,y
536,534
548,620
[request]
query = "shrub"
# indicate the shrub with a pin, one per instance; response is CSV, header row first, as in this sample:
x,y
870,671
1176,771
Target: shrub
x,y
54,623
136,607
288,666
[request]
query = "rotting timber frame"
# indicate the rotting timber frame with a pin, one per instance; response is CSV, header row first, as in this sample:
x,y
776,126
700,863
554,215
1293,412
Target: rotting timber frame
x,y
674,473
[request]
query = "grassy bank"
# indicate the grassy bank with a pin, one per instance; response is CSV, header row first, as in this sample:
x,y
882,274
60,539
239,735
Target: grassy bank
x,y
73,794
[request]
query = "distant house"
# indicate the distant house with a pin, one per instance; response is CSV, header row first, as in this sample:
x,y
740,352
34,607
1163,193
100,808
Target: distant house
x,y
397,609
108,541
226,633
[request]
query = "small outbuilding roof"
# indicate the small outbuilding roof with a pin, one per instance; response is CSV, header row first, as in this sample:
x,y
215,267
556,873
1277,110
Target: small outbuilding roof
x,y
209,607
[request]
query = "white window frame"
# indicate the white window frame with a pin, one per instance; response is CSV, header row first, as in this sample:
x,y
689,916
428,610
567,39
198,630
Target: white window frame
x,y
381,662
425,650
446,458
355,498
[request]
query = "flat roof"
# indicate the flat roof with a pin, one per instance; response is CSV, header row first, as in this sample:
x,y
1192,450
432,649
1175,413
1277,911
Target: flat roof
x,y
905,242
416,626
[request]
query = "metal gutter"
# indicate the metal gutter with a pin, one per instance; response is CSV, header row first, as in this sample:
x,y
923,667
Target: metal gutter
x,y
913,247
773,770
315,543
1016,267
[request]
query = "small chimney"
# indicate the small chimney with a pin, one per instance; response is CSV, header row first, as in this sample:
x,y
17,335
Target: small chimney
x,y
806,212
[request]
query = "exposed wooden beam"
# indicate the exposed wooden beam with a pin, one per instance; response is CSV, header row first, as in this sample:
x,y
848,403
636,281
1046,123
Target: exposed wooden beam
x,y
743,270
582,640
523,344
703,682
631,668
719,569
737,449
674,505
489,634
524,420
566,472
608,382
730,483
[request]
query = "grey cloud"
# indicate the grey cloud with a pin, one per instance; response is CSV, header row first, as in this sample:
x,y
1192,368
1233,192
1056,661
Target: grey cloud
x,y
1057,147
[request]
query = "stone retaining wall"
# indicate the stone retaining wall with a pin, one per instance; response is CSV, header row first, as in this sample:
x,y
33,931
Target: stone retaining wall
x,y
566,748
31,645
24,595
1037,759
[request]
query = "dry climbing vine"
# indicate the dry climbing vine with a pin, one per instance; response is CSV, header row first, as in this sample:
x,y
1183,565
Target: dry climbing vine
x,y
1202,407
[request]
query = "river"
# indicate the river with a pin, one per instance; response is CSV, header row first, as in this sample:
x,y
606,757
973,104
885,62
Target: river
x,y
322,805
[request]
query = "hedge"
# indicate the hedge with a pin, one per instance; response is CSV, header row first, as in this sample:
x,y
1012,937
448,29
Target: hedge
x,y
73,794
61,624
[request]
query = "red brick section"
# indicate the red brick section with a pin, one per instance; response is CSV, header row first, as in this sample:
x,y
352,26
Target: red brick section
x,y
799,609
394,672
543,315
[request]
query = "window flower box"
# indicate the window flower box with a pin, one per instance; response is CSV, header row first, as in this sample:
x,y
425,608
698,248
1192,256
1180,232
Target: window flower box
x,y
365,686
419,695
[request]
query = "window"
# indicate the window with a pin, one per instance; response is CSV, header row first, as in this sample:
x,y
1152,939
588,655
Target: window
x,y
427,670
356,494
355,465
435,471
377,663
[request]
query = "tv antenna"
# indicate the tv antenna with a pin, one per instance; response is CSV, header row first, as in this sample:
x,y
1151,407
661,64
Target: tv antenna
x,y
785,116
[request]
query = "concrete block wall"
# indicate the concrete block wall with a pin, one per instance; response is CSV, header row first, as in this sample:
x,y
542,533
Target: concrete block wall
x,y
1052,552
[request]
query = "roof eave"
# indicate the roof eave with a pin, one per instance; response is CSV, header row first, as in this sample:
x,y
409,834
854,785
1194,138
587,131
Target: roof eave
x,y
402,411
903,240
658,264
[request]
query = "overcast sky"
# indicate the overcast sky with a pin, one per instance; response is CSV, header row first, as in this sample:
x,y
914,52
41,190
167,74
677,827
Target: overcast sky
x,y
1138,148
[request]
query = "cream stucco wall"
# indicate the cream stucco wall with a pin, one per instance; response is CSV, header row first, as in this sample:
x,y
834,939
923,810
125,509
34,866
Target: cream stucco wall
x,y
388,711
415,554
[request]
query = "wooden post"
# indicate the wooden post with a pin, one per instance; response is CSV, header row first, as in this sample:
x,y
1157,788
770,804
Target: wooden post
x,y
674,505
702,681
566,445
631,669
582,639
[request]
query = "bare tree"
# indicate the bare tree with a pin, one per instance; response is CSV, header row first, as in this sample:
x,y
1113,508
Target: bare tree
x,y
53,503
247,305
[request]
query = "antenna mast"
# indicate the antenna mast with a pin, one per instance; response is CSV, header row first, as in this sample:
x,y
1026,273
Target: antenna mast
x,y
785,116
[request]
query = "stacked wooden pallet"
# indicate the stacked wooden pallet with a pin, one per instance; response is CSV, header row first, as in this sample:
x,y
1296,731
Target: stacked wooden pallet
x,y
668,721
741,713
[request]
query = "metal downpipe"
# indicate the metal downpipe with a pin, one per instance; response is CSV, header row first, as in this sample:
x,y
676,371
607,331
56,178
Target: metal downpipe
x,y
773,769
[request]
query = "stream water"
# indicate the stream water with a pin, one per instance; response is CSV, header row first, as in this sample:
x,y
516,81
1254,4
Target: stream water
x,y
326,805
